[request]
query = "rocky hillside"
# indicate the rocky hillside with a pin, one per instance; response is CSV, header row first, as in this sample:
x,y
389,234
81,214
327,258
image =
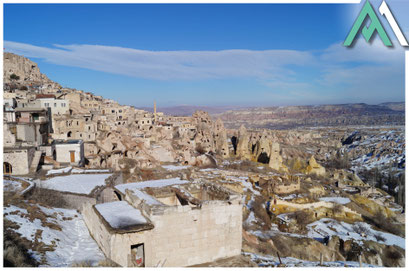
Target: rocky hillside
x,y
312,116
399,106
18,69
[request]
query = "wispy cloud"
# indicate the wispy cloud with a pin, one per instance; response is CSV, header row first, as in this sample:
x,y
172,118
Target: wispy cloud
x,y
364,73
167,65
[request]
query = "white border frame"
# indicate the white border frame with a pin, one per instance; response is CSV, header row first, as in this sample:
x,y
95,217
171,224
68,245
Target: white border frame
x,y
197,2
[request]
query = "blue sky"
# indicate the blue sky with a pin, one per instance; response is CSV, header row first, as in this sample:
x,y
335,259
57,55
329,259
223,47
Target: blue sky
x,y
241,55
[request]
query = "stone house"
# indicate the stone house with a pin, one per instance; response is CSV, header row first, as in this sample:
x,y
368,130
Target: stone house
x,y
31,126
81,127
57,106
69,152
91,105
167,223
18,160
286,187
73,97
277,185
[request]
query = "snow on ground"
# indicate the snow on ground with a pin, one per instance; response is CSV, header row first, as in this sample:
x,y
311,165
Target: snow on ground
x,y
251,219
174,168
289,197
80,170
208,169
11,186
119,214
59,171
328,227
267,260
73,242
245,183
78,183
31,184
378,155
338,200
15,185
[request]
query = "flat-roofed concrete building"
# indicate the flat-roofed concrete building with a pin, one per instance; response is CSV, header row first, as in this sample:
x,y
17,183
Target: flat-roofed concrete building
x,y
169,222
69,152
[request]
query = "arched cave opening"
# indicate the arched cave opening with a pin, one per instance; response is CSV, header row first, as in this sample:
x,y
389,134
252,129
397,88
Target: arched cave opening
x,y
263,158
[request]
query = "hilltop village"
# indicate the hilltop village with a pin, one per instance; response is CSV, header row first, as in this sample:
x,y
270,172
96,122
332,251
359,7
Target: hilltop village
x,y
90,182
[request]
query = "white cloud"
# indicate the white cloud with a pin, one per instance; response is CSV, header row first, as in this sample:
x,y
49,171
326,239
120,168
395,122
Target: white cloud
x,y
376,52
167,65
363,73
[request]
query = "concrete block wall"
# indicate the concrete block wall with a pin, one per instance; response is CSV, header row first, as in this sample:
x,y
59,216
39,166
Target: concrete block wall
x,y
182,235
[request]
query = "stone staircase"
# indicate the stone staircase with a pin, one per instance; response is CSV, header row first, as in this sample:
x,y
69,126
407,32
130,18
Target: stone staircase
x,y
36,160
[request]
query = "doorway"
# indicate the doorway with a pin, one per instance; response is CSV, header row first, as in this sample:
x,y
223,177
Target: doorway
x,y
7,168
72,156
137,255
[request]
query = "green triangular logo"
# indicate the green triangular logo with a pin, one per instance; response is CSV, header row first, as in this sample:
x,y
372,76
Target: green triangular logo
x,y
367,32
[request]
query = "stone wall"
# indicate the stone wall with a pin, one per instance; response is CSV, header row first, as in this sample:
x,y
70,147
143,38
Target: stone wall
x,y
20,160
27,132
182,235
71,200
9,139
286,188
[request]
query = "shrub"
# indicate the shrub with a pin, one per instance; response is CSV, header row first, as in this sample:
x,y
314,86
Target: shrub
x,y
360,229
337,208
14,77
15,252
303,218
260,212
339,161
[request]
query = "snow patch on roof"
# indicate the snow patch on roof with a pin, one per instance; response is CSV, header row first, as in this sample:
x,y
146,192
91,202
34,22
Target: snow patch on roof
x,y
78,183
119,214
59,171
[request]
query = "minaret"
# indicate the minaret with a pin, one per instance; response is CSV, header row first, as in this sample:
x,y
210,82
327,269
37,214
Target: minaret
x,y
154,110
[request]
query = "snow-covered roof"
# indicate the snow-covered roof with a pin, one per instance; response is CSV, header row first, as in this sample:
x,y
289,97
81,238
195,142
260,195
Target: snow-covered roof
x,y
120,215
59,171
78,183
